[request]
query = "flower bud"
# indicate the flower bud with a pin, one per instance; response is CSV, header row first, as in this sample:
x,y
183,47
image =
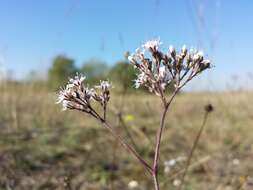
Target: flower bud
x,y
172,51
131,59
184,51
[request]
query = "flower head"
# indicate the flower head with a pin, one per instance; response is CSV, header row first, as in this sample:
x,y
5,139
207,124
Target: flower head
x,y
158,70
137,56
152,45
77,95
141,79
104,85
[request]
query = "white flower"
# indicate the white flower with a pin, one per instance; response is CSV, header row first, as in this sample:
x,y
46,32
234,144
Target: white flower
x,y
172,49
171,162
167,170
77,80
176,182
198,55
141,79
60,97
65,104
133,184
137,83
63,94
131,58
236,161
75,89
158,69
90,93
168,165
137,56
78,96
195,57
164,74
152,44
184,50
104,85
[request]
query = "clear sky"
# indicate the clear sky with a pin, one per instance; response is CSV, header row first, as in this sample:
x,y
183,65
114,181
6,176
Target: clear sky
x,y
33,32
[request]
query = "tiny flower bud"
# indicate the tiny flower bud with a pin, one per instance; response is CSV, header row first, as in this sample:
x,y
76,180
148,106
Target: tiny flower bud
x,y
195,57
172,51
201,55
152,45
184,50
209,108
131,58
205,64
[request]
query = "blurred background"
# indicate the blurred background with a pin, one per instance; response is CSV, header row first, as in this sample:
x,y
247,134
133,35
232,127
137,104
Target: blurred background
x,y
43,43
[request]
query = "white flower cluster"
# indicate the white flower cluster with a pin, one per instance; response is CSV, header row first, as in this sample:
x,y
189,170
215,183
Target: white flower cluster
x,y
152,45
76,95
170,164
158,70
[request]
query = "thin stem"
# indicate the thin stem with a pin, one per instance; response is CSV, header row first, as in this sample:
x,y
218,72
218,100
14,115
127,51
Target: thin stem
x,y
127,146
104,110
193,148
156,183
125,127
158,140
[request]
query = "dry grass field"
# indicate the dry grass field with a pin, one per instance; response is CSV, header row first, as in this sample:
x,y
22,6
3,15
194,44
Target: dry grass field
x,y
42,147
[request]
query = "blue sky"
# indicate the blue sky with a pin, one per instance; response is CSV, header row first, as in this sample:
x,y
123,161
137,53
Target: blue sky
x,y
33,32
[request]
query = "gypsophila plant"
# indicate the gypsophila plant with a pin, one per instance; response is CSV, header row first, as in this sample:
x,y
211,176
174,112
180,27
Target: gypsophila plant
x,y
157,70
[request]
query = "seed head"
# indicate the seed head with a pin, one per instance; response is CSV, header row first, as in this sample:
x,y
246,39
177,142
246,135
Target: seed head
x,y
209,108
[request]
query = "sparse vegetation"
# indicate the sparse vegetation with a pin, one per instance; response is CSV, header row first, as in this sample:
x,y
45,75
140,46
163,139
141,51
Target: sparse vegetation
x,y
82,108
43,148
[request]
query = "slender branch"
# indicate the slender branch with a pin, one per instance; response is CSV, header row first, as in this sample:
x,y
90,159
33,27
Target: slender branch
x,y
158,140
104,110
193,148
156,182
122,141
127,146
125,127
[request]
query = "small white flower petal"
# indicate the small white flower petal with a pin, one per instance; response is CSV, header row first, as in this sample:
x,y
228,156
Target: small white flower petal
x,y
133,184
152,44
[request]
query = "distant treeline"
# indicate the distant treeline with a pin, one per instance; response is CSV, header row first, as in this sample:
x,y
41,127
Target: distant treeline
x,y
95,70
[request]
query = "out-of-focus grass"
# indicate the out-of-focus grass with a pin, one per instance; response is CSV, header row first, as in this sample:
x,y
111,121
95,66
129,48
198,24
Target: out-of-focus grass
x,y
42,147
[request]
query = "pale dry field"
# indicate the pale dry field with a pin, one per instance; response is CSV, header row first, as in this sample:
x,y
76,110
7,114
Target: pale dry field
x,y
42,147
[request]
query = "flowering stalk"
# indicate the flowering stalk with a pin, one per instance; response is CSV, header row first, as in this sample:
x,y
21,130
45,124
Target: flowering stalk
x,y
161,70
158,140
208,109
79,97
156,71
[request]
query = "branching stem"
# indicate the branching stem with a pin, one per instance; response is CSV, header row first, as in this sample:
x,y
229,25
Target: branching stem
x,y
193,149
158,140
127,146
